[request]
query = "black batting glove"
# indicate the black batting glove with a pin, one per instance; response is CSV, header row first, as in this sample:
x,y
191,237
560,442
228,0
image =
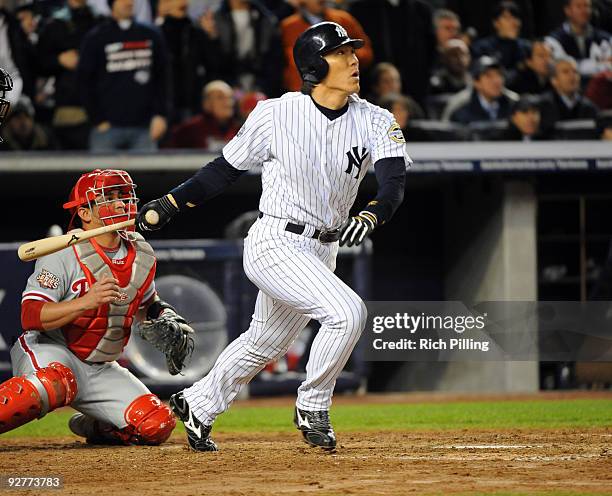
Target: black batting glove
x,y
357,228
163,207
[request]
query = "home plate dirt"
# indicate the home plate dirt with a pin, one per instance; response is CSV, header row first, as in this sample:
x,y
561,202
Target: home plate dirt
x,y
556,460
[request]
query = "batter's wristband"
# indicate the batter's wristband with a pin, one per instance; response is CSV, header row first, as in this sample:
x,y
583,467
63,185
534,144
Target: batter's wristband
x,y
378,210
167,206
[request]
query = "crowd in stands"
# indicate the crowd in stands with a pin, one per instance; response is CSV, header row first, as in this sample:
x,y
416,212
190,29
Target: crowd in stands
x,y
105,75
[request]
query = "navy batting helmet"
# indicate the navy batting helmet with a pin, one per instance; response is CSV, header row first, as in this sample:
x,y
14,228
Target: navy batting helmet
x,y
315,42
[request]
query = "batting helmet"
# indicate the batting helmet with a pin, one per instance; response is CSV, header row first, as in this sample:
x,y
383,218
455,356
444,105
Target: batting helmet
x,y
93,188
6,84
315,42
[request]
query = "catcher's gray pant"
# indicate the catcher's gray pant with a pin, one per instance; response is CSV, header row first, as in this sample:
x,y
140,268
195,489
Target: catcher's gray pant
x,y
105,390
294,274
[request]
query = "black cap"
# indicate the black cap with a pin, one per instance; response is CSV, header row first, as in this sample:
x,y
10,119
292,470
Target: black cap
x,y
526,102
483,64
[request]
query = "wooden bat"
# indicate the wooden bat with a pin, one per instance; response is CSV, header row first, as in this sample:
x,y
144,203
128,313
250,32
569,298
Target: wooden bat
x,y
40,247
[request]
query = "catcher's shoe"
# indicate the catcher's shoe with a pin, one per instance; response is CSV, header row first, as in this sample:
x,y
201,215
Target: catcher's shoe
x,y
94,431
316,428
197,433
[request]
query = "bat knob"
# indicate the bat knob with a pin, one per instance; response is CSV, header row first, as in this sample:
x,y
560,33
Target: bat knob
x,y
152,217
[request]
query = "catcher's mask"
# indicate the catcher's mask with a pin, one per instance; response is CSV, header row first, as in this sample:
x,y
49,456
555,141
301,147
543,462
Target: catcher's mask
x,y
104,189
6,84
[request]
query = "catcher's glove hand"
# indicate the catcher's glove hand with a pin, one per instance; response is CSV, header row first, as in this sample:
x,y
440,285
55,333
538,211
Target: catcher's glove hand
x,y
357,228
171,335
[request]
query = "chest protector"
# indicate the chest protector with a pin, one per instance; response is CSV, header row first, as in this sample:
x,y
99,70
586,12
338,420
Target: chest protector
x,y
100,335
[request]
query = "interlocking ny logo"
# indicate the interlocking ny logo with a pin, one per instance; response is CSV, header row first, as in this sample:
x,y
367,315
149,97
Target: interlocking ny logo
x,y
355,160
341,32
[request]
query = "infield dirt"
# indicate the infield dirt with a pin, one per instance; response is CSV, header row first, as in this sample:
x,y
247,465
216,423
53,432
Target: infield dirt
x,y
554,461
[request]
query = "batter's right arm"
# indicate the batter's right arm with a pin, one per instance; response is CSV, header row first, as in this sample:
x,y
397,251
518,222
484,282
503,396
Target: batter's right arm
x,y
247,149
208,182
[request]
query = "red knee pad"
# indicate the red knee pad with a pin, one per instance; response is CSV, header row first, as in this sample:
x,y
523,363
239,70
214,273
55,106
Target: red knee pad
x,y
20,402
149,420
60,384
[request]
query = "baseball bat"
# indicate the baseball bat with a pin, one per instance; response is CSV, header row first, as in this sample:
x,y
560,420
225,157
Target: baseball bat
x,y
40,247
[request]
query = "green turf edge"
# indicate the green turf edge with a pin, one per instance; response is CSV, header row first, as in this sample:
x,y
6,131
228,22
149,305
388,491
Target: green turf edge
x,y
541,414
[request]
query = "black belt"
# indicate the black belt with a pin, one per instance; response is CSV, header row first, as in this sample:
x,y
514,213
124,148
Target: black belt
x,y
323,236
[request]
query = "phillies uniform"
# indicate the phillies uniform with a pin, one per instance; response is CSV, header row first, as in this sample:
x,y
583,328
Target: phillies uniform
x,y
105,389
75,364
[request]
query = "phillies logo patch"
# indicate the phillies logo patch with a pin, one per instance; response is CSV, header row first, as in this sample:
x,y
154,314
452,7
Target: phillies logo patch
x,y
47,280
80,286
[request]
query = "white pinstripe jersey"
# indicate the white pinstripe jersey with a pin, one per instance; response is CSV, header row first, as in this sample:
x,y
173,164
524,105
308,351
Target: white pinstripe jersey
x,y
312,166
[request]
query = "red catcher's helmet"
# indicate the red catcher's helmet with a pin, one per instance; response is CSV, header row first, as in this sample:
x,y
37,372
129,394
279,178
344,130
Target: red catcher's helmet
x,y
95,189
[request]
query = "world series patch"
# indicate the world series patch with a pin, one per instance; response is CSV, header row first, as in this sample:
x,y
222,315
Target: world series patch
x,y
47,280
395,133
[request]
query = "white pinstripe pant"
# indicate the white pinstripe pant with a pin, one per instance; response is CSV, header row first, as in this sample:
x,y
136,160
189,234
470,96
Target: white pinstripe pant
x,y
294,274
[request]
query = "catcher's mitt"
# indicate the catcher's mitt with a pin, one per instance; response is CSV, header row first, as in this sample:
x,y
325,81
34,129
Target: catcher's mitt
x,y
171,335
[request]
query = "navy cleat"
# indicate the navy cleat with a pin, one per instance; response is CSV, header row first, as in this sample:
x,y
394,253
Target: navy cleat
x,y
197,433
316,428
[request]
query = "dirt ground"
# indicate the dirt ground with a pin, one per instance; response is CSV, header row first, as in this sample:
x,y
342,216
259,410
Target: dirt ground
x,y
465,461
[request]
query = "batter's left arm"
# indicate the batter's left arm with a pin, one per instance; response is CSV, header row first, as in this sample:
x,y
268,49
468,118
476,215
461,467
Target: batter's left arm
x,y
391,178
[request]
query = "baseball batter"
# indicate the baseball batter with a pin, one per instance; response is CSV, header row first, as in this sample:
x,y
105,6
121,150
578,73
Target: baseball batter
x,y
315,147
77,310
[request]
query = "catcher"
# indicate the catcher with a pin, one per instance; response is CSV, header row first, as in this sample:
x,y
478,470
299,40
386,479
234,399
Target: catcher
x,y
77,311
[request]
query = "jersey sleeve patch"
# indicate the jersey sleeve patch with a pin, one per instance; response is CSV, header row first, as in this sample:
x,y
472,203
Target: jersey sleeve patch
x,y
395,133
47,279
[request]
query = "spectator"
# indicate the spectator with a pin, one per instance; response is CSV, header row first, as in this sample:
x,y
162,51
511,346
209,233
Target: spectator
x,y
215,126
604,126
488,100
599,90
29,20
141,12
192,56
505,45
16,56
312,12
58,57
524,121
250,53
21,133
476,15
577,38
452,74
401,33
534,77
447,27
198,9
123,81
248,102
565,101
403,109
282,8
386,80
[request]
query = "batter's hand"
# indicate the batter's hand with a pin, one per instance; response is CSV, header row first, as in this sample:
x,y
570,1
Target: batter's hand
x,y
357,228
165,208
101,292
